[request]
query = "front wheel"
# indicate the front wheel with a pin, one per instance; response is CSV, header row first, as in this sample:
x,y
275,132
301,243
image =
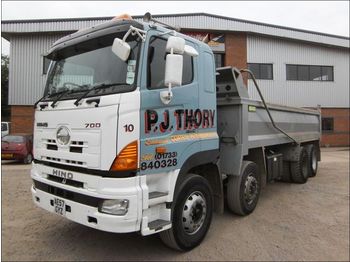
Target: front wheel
x,y
192,213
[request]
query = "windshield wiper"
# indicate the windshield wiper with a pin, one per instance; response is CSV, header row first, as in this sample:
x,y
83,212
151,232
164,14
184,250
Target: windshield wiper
x,y
47,96
60,95
96,87
41,99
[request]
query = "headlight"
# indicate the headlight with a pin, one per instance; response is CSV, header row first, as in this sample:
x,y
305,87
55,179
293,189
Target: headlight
x,y
117,207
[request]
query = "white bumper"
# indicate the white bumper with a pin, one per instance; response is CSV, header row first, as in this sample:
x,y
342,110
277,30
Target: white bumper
x,y
97,187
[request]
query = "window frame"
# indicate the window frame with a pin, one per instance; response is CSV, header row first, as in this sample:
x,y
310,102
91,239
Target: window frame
x,y
148,68
44,67
259,64
309,77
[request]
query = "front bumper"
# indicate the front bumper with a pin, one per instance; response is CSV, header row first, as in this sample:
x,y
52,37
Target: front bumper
x,y
82,201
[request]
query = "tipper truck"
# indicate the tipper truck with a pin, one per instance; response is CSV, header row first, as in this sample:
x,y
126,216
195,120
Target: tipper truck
x,y
137,131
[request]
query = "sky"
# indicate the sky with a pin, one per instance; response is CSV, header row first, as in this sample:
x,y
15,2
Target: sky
x,y
330,17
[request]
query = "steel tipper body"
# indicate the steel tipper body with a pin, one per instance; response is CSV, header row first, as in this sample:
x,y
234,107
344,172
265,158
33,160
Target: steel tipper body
x,y
244,124
135,134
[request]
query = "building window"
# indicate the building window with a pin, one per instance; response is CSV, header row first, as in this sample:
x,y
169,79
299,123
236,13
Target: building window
x,y
327,124
219,59
309,73
46,64
261,71
156,64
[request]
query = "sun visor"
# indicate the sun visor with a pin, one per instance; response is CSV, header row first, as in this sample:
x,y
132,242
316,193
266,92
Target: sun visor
x,y
88,39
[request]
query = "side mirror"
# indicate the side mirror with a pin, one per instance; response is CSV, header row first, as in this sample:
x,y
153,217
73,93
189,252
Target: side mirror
x,y
173,76
175,45
173,70
121,49
190,51
174,65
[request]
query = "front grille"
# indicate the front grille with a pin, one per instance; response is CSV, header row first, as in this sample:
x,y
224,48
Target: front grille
x,y
66,181
75,149
80,143
51,147
69,195
52,151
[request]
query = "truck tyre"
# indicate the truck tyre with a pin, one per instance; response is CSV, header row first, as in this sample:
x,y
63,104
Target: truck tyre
x,y
286,176
243,191
28,159
313,165
300,169
191,214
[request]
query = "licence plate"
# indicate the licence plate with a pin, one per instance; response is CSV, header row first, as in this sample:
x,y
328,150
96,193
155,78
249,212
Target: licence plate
x,y
6,155
60,206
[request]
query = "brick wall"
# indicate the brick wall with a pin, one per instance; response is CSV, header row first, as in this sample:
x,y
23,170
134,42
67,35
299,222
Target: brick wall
x,y
22,118
236,51
340,135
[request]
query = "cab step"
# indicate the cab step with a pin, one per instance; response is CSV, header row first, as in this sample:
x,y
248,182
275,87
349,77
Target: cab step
x,y
156,194
156,197
158,224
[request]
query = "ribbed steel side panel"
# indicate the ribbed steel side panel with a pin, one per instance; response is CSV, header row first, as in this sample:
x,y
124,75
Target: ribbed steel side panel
x,y
204,22
26,79
299,93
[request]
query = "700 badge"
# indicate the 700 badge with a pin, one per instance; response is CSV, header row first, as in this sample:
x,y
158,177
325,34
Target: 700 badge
x,y
161,160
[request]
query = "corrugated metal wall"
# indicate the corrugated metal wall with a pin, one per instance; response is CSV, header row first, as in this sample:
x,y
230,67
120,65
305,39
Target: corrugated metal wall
x,y
26,63
299,93
26,79
188,21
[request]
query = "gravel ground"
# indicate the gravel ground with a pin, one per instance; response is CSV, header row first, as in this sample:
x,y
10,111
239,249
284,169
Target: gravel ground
x,y
291,222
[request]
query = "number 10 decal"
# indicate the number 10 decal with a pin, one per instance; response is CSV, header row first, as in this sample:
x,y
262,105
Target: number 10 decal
x,y
129,128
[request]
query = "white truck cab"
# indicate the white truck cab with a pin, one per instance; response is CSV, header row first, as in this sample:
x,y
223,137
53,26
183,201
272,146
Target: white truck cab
x,y
137,132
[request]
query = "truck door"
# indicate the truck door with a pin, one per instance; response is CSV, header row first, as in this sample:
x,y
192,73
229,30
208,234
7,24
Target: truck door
x,y
167,131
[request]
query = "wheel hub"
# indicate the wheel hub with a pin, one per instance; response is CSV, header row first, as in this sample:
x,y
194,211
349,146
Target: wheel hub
x,y
251,189
194,213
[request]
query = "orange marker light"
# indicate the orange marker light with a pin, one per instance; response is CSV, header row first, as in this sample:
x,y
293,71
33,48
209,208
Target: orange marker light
x,y
127,158
160,149
121,17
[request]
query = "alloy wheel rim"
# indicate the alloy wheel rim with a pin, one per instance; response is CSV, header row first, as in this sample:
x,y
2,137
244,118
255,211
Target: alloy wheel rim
x,y
250,189
194,213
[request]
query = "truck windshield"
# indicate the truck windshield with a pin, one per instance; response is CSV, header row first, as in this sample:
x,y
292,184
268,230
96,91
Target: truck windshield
x,y
92,63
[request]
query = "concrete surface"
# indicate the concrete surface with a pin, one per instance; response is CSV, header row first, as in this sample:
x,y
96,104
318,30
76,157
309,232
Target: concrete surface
x,y
291,222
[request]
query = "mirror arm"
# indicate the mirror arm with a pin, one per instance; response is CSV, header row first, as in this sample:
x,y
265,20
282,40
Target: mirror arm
x,y
169,90
126,35
133,31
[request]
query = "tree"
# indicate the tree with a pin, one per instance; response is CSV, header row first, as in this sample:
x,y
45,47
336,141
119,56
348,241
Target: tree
x,y
5,108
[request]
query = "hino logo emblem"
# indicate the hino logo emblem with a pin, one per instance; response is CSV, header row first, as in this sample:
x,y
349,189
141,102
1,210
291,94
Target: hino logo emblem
x,y
63,174
62,135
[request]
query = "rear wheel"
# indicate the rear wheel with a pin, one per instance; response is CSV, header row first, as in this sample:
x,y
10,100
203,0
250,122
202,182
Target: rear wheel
x,y
313,163
28,159
192,213
243,191
300,169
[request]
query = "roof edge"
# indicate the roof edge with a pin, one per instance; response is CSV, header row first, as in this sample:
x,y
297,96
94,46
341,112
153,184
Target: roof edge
x,y
175,15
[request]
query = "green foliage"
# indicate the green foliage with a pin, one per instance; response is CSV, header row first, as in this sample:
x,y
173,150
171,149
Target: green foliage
x,y
5,108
